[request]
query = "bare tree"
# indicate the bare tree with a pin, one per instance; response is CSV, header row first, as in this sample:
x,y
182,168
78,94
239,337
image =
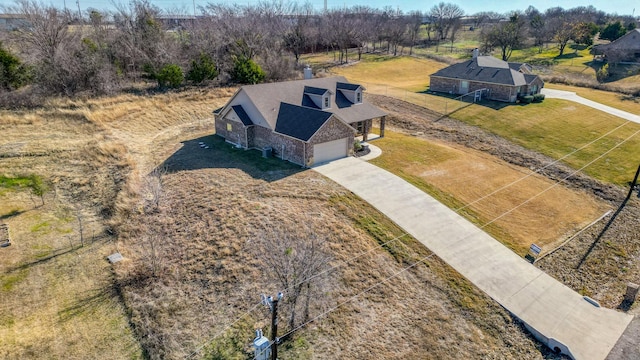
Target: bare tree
x,y
299,262
413,28
444,16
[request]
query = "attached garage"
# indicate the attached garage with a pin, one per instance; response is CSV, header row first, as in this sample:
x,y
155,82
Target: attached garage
x,y
330,150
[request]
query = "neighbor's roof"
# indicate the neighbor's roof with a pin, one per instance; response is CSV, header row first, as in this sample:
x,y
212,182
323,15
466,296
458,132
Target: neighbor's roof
x,y
628,41
487,69
267,99
290,121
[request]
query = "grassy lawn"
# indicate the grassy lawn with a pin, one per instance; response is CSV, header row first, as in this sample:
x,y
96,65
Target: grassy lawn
x,y
461,176
557,127
612,99
402,77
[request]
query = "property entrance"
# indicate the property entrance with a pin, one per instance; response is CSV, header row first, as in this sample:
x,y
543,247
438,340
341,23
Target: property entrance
x,y
330,150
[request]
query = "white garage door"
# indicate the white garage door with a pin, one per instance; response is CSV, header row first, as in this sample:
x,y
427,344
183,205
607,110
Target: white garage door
x,y
331,150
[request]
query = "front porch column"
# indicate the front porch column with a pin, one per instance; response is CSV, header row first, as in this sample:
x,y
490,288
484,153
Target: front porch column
x,y
382,121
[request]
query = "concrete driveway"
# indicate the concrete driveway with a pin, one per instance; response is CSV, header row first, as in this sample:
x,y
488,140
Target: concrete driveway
x,y
555,314
571,96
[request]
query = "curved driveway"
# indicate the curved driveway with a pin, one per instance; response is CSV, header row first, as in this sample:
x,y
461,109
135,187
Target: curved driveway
x,y
556,315
571,96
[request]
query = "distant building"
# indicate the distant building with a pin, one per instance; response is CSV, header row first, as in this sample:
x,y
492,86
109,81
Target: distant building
x,y
11,22
624,49
501,80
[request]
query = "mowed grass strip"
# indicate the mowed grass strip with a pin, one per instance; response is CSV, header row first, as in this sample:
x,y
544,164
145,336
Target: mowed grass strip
x,y
616,100
458,177
558,127
402,77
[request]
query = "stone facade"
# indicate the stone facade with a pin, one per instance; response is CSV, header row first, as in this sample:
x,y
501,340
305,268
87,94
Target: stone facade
x,y
333,129
497,92
284,147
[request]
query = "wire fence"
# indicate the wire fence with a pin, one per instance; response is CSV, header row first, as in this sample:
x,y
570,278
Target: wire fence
x,y
440,103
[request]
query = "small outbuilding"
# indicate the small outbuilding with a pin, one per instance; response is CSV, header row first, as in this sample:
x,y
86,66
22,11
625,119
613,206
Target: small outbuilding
x,y
306,122
496,79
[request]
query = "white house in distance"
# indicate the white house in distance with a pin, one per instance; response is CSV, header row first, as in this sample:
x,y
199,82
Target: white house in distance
x,y
306,122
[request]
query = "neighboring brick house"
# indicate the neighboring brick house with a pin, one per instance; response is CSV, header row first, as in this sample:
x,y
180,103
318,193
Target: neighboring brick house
x,y
304,121
624,49
501,80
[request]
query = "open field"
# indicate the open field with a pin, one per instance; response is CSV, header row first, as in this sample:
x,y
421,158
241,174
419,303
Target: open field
x,y
215,229
600,261
63,299
462,179
405,78
59,298
557,128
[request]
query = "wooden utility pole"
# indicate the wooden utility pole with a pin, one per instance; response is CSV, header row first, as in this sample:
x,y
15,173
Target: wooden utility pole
x,y
273,305
274,329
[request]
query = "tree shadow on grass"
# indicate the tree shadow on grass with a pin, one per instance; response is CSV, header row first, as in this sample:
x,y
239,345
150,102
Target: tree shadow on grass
x,y
222,155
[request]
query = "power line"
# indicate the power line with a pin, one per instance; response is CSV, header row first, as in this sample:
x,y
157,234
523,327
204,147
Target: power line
x,y
538,170
455,242
565,178
287,289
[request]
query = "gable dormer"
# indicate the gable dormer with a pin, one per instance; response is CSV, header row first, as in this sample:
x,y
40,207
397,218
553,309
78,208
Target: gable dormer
x,y
320,97
353,92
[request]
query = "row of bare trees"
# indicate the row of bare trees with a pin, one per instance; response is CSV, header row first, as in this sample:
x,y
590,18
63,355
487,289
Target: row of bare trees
x,y
106,50
556,25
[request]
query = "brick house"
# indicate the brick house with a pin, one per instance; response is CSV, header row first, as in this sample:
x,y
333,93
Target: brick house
x,y
305,122
500,80
624,49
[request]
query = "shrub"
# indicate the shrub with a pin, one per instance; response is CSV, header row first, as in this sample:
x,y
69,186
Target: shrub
x,y
246,71
538,97
357,146
603,73
13,73
527,99
202,69
170,76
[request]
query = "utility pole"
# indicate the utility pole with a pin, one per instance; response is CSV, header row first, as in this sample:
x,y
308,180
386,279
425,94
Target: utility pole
x,y
273,305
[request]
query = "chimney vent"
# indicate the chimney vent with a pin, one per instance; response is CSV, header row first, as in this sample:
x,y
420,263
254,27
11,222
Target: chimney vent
x,y
476,52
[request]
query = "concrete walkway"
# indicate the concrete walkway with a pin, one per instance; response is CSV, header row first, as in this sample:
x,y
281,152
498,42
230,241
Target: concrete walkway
x,y
571,96
555,314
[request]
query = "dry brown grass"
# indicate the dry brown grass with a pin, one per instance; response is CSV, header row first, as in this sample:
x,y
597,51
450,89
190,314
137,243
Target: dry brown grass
x,y
97,153
58,298
212,270
471,176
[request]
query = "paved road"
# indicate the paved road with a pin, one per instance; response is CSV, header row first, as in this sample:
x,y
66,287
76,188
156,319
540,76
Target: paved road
x,y
557,315
571,96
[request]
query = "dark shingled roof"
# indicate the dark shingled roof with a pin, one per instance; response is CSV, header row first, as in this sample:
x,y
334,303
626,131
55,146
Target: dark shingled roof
x,y
267,99
314,90
300,122
486,69
246,120
347,86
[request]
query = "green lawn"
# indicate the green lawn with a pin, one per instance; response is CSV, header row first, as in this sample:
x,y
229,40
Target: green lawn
x,y
557,127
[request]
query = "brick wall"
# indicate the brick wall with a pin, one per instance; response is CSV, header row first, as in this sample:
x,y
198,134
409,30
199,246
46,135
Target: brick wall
x,y
333,129
447,85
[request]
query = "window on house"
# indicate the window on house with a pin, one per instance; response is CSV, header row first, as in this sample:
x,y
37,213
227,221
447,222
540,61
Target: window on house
x,y
229,127
358,97
326,101
360,127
